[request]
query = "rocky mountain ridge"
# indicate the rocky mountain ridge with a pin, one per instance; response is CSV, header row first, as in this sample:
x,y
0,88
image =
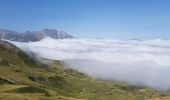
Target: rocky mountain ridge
x,y
32,36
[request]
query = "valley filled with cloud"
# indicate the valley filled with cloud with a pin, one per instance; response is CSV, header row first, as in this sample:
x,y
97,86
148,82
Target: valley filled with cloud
x,y
144,62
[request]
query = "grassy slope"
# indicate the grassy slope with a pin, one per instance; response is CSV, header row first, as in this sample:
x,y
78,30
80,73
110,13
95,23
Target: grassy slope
x,y
22,78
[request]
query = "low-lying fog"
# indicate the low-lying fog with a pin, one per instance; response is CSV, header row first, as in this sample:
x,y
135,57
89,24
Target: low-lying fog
x,y
137,62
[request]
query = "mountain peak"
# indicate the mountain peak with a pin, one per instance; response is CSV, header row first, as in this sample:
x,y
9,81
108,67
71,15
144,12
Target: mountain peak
x,y
57,34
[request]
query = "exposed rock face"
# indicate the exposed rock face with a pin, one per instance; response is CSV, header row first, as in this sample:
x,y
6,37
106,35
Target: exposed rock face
x,y
10,35
56,34
33,36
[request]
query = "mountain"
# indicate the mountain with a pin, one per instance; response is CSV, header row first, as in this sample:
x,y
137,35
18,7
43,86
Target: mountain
x,y
33,36
38,35
10,35
22,77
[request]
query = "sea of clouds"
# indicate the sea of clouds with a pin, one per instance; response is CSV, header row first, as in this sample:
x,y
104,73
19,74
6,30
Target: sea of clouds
x,y
137,62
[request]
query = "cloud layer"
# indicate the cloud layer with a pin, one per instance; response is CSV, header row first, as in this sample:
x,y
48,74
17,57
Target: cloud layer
x,y
137,62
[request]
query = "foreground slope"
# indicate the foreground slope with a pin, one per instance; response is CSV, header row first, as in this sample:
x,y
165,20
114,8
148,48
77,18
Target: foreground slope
x,y
24,78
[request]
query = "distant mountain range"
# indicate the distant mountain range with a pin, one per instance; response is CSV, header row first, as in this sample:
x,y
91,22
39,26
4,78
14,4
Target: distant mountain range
x,y
32,36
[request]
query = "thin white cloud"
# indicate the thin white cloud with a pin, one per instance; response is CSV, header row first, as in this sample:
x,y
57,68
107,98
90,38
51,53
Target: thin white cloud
x,y
137,62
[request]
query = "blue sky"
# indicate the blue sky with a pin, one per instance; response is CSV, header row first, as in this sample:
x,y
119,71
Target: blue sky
x,y
124,19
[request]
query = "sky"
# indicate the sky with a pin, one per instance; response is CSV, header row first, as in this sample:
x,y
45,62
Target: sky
x,y
120,19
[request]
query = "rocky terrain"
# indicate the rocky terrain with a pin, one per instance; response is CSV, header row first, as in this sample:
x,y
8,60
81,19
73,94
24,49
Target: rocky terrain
x,y
32,36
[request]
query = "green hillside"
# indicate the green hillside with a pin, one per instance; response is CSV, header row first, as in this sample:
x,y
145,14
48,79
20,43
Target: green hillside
x,y
24,78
